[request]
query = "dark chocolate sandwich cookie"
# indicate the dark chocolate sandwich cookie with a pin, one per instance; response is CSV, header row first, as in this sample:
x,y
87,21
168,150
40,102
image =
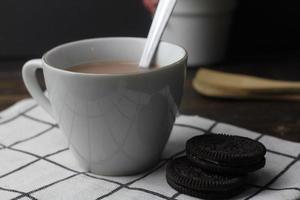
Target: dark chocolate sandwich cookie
x,y
226,154
186,178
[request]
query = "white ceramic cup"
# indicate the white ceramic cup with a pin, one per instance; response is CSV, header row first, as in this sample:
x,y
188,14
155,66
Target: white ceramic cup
x,y
202,28
116,124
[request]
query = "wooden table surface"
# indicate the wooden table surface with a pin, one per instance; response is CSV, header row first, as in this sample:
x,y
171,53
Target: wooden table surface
x,y
277,118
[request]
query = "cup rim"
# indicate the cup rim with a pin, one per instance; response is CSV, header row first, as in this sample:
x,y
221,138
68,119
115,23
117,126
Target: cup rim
x,y
164,67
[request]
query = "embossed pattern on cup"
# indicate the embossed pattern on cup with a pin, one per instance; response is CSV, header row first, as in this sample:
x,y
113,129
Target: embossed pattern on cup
x,y
115,124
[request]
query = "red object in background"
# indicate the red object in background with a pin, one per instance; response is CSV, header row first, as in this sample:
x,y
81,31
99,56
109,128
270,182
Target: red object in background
x,y
150,5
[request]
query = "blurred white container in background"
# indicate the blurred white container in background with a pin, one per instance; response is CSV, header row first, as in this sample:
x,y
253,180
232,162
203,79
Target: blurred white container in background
x,y
202,28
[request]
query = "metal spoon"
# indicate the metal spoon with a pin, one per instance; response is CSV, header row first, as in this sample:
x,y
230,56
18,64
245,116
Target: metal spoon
x,y
161,18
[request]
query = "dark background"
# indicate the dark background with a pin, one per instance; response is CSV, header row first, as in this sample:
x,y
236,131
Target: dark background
x,y
262,30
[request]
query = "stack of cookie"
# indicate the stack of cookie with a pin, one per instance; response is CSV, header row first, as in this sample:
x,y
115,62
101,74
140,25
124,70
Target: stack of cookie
x,y
215,166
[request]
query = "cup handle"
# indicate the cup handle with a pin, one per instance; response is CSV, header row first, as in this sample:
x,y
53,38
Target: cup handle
x,y
32,85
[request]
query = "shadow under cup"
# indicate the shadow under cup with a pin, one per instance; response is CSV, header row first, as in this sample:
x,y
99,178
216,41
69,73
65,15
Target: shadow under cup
x,y
115,124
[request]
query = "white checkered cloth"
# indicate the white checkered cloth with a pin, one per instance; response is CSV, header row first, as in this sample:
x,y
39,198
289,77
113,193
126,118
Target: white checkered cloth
x,y
35,163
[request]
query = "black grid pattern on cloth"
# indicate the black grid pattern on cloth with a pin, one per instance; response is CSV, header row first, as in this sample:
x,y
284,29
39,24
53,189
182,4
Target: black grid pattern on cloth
x,y
122,185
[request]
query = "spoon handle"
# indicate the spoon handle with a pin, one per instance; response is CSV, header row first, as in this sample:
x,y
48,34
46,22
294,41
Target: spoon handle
x,y
161,18
246,83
